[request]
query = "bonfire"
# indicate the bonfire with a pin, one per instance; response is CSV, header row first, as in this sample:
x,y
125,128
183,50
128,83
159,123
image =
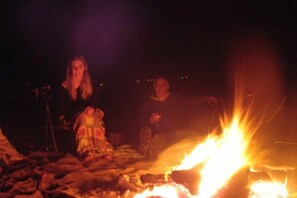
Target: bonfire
x,y
228,162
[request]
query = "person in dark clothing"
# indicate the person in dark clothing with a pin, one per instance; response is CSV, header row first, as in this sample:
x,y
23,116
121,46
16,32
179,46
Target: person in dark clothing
x,y
159,119
77,108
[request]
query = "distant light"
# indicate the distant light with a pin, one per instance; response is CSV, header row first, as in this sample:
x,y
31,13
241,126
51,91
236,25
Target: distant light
x,y
184,77
101,84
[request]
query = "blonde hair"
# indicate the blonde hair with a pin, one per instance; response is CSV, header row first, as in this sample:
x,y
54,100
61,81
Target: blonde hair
x,y
85,86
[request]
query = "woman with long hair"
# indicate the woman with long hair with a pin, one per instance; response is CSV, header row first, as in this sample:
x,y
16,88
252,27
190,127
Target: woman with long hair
x,y
77,108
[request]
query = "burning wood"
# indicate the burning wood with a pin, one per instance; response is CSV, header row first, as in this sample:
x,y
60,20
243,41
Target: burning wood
x,y
51,174
216,167
190,178
154,179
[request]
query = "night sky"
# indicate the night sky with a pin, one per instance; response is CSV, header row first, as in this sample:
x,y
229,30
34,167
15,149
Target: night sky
x,y
128,40
135,39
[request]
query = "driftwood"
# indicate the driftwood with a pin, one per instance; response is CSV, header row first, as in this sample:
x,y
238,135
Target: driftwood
x,y
45,174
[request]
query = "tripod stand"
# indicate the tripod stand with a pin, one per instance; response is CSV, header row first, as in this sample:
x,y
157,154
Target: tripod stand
x,y
49,125
45,94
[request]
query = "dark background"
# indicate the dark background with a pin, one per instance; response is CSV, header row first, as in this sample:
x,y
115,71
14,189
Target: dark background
x,y
126,41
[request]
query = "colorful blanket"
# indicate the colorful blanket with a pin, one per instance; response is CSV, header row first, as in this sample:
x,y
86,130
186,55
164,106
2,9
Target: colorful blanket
x,y
90,136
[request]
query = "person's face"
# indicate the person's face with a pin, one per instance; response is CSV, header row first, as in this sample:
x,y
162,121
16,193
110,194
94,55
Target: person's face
x,y
77,68
161,88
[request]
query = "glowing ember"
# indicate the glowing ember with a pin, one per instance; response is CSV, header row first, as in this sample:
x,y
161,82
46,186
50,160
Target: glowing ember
x,y
169,190
262,189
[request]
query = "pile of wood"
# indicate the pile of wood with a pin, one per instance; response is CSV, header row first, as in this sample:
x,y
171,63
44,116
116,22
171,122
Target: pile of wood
x,y
45,174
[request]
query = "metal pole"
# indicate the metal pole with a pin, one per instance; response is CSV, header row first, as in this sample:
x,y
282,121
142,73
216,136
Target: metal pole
x,y
50,125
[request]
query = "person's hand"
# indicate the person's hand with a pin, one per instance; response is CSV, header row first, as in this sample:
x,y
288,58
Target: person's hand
x,y
155,117
89,110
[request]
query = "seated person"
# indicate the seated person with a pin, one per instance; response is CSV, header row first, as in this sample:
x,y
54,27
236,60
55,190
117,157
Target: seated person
x,y
159,119
76,107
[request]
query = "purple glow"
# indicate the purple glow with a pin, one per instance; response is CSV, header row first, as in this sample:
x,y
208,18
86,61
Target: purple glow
x,y
106,32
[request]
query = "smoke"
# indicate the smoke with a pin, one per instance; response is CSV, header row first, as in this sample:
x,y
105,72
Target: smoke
x,y
255,62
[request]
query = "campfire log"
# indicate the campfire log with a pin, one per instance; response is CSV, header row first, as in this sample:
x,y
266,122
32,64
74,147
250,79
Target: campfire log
x,y
154,179
237,185
189,178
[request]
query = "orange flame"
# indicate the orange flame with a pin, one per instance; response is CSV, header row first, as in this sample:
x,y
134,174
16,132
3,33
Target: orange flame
x,y
221,156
